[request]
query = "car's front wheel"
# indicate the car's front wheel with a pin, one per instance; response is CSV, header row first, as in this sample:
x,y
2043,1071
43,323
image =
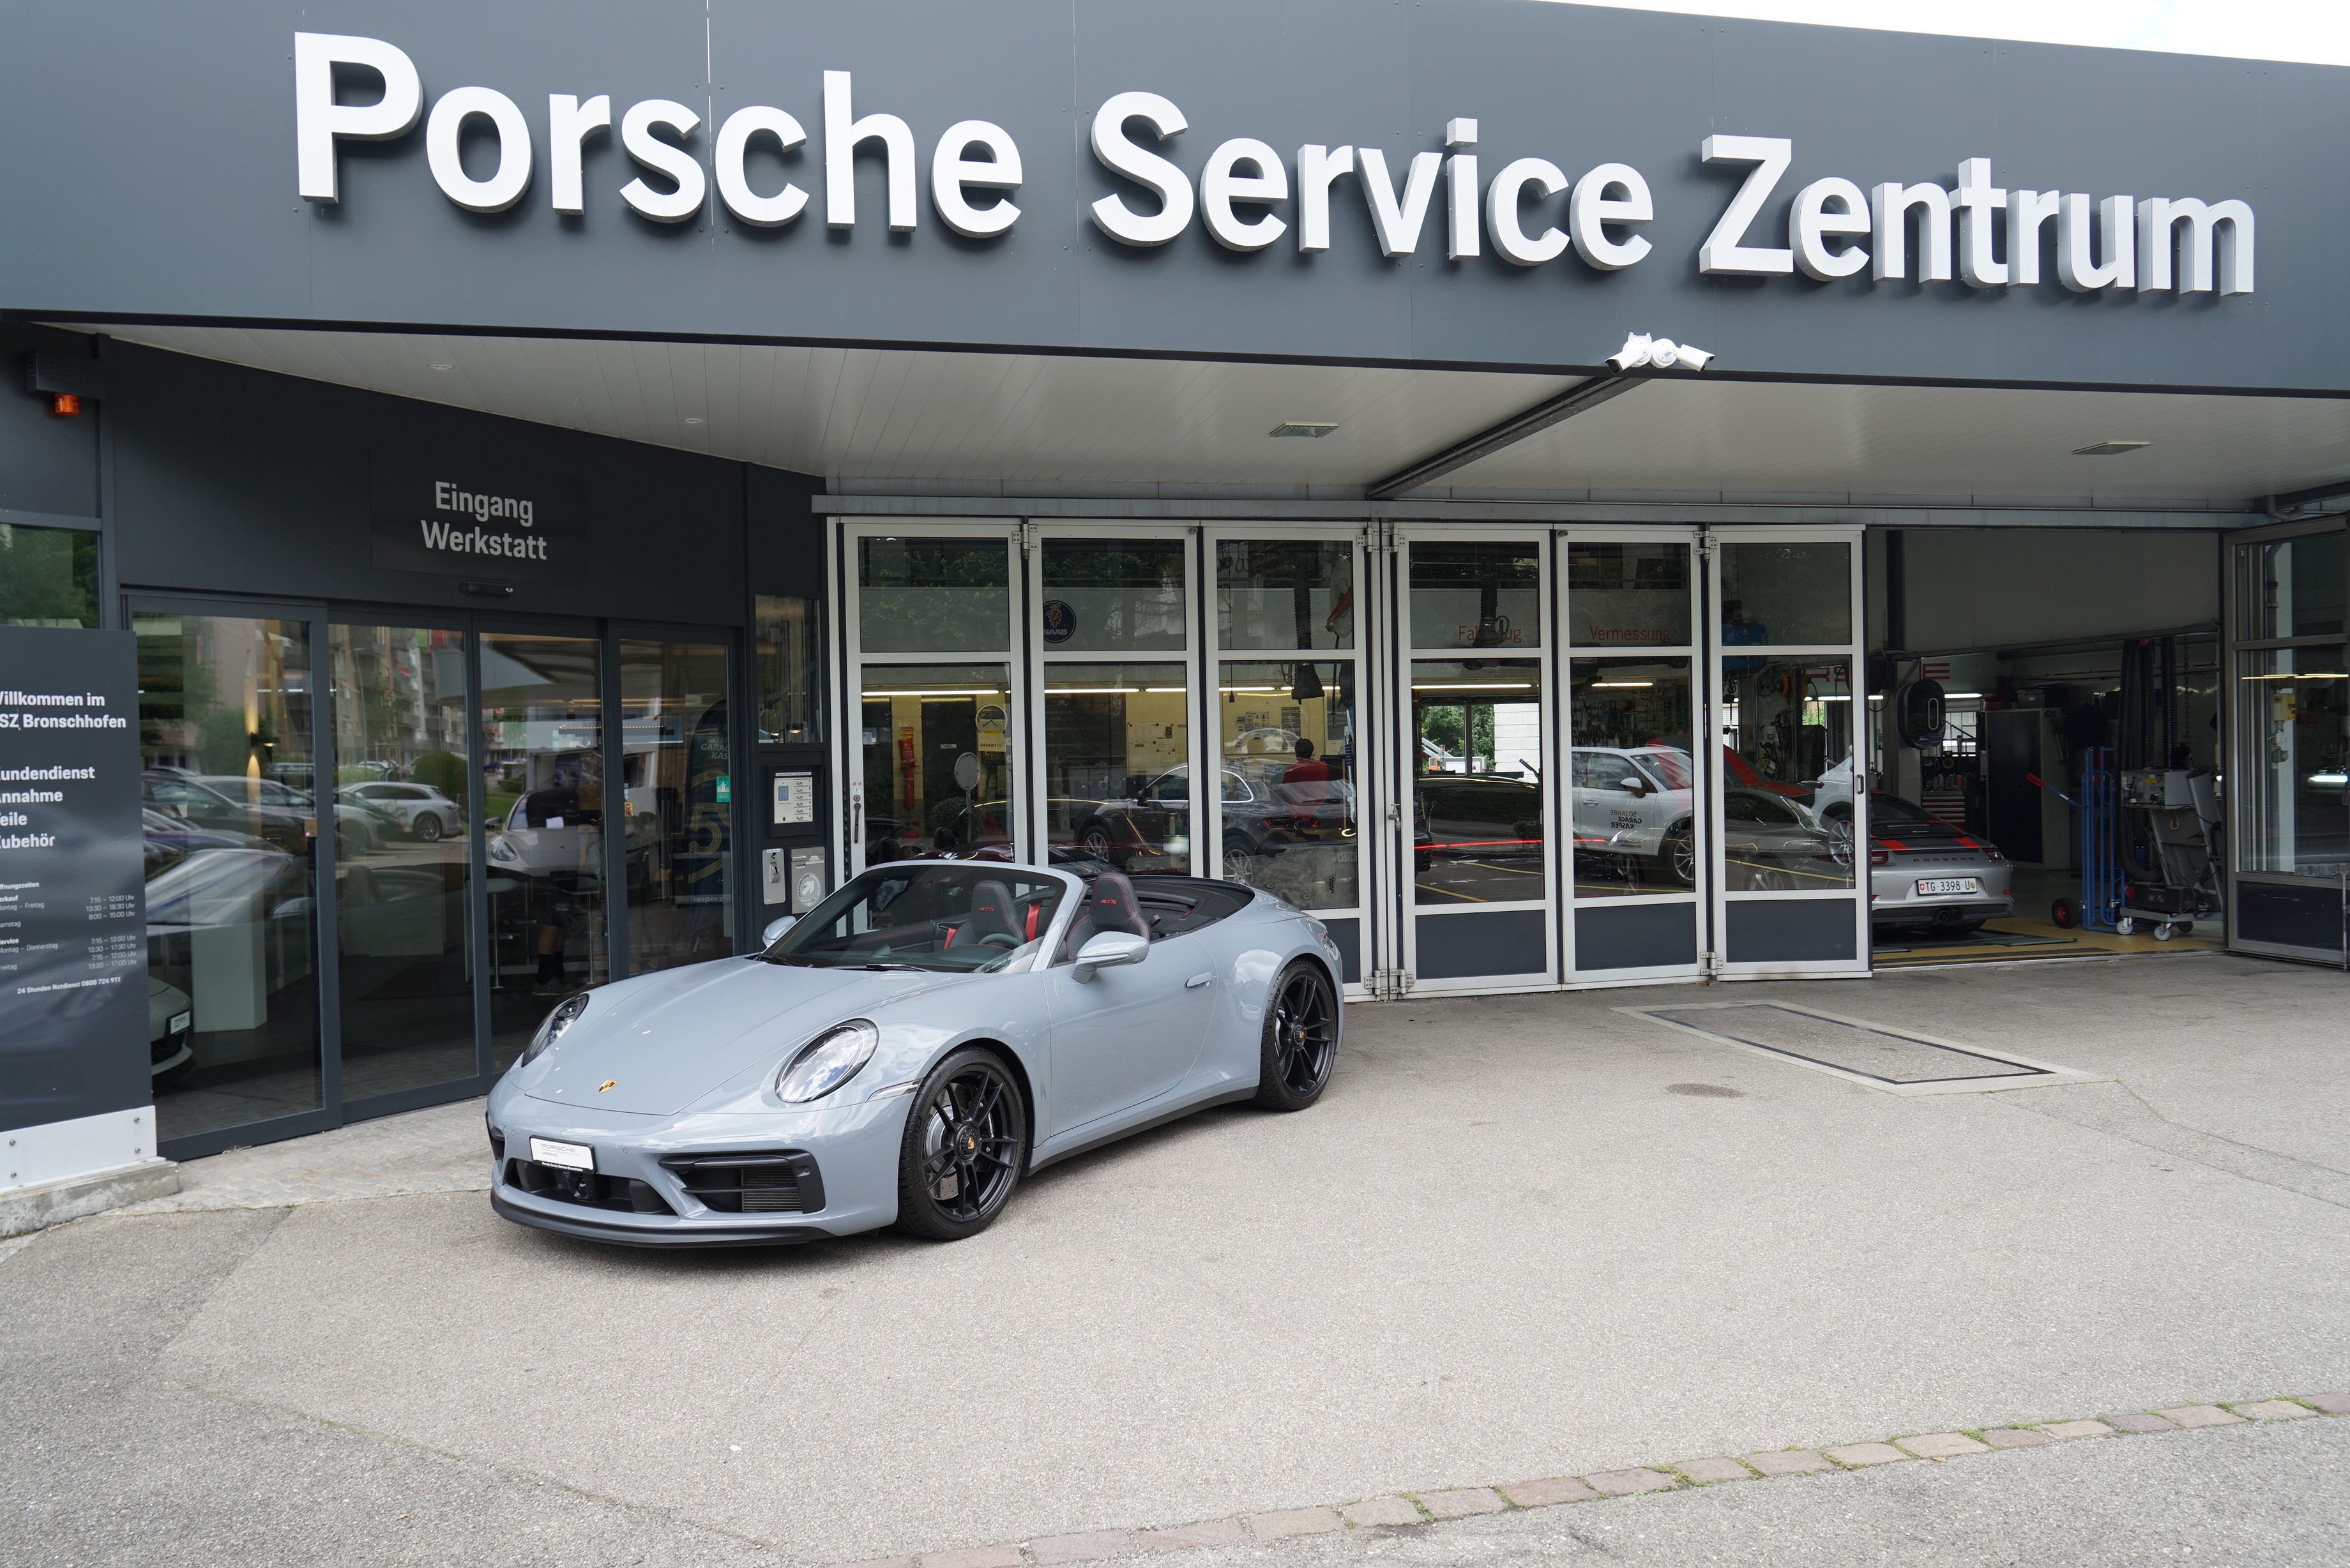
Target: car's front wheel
x,y
1301,1038
966,1139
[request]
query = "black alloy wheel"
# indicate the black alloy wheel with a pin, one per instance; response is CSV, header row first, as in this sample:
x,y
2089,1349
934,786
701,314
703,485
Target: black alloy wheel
x,y
1301,1038
965,1143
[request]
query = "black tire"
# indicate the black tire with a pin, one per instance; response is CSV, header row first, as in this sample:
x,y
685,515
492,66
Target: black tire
x,y
967,1131
1676,856
1300,1044
427,827
2066,913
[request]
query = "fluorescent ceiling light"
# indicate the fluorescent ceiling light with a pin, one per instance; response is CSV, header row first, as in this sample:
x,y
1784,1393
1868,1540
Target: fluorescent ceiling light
x,y
1312,429
1488,686
440,365
2110,448
2311,675
893,691
1620,685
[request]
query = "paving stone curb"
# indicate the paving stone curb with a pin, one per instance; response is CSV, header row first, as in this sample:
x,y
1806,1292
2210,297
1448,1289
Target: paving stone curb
x,y
1410,1510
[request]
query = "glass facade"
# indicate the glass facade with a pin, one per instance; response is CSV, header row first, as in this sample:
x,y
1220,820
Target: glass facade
x,y
403,856
1788,733
785,652
48,576
1786,596
1476,594
1287,785
2292,719
933,595
224,740
1113,596
923,800
678,785
1277,595
1117,777
1478,807
1632,775
544,806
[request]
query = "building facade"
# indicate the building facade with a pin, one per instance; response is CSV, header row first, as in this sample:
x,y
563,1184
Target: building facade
x,y
1550,491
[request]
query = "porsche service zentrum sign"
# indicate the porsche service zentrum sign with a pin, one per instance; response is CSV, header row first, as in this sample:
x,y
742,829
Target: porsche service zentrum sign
x,y
1249,195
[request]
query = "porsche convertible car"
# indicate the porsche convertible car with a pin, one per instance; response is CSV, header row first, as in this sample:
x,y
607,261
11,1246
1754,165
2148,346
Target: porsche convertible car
x,y
907,1053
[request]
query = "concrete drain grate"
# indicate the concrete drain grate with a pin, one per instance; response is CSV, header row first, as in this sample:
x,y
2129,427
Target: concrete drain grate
x,y
1898,1061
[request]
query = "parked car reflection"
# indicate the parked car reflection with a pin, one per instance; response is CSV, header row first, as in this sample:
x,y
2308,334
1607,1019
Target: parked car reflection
x,y
1770,844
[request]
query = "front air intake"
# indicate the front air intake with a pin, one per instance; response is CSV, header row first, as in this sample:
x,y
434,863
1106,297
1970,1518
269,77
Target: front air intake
x,y
784,1182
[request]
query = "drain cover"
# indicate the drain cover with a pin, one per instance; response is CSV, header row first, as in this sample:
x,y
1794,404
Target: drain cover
x,y
1898,1061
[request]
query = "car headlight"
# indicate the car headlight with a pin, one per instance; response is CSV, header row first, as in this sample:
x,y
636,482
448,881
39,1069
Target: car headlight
x,y
565,1015
830,1060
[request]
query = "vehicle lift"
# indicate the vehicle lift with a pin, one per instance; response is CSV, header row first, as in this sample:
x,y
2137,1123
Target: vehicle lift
x,y
2183,826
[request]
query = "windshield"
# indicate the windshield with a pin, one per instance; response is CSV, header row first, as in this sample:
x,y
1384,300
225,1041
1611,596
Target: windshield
x,y
1887,808
941,916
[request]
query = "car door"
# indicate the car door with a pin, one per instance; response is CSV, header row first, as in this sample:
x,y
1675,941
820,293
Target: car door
x,y
1128,1035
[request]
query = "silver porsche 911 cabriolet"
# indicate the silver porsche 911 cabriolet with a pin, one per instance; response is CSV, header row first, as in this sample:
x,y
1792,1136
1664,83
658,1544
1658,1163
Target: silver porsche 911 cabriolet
x,y
908,1051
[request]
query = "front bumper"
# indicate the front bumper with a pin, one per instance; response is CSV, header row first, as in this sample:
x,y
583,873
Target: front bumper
x,y
835,1169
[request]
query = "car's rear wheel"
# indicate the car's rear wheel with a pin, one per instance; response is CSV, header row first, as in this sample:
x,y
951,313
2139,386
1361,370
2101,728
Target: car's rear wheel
x,y
1678,855
1301,1038
966,1139
427,826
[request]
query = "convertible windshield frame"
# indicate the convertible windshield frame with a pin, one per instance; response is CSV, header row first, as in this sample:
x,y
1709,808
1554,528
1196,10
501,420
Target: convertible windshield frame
x,y
933,917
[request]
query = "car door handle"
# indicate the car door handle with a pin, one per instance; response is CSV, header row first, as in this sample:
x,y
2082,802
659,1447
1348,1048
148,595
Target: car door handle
x,y
1198,980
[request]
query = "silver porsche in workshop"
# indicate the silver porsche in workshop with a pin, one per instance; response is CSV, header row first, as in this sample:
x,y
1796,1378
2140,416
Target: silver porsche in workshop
x,y
905,1054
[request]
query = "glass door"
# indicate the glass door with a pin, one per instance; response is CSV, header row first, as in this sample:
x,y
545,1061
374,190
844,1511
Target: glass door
x,y
404,856
932,651
1114,677
1786,711
545,811
1477,751
1290,789
234,884
2289,781
1637,772
677,782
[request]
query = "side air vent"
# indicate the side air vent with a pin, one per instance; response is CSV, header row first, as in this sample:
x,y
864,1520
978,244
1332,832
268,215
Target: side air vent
x,y
781,1182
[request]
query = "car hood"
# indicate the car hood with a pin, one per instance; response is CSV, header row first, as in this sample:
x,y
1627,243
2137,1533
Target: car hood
x,y
665,1040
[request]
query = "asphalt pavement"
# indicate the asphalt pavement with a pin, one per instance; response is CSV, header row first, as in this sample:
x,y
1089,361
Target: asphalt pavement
x,y
1510,1244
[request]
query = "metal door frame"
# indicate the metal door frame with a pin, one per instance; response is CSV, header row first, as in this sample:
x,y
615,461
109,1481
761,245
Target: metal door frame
x,y
1705,760
1033,537
1371,799
1715,959
2235,803
849,754
1401,764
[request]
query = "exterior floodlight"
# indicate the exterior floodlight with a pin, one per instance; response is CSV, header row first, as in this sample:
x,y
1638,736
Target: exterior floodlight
x,y
1660,353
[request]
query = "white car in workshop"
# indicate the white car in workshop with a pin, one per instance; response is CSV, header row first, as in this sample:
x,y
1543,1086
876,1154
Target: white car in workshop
x,y
423,812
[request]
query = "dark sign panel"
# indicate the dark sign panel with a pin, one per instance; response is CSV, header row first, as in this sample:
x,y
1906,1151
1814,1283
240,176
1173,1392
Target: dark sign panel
x,y
73,946
465,520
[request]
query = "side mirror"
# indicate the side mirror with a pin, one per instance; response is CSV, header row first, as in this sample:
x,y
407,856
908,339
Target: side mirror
x,y
1110,950
776,928
1636,786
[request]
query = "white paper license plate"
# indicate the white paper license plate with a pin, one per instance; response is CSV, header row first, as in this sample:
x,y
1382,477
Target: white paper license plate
x,y
180,1021
569,1156
1932,887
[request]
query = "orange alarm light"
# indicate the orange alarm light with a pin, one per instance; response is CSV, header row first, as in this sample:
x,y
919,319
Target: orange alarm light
x,y
65,405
